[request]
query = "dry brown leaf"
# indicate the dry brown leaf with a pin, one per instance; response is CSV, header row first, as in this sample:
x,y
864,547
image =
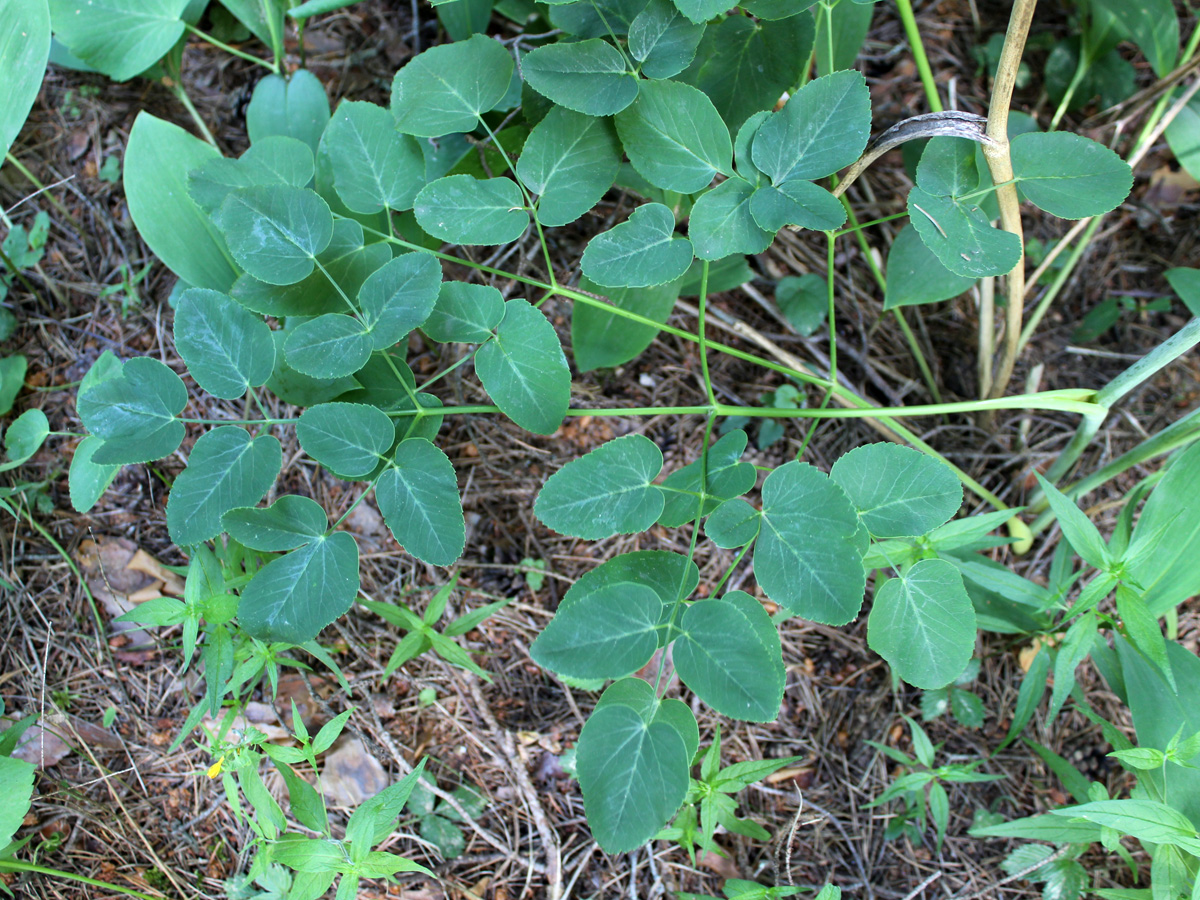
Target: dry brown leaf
x,y
351,775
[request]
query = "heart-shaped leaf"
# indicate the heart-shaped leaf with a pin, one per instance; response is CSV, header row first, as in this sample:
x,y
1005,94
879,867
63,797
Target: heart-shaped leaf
x,y
961,236
399,297
293,107
898,491
663,40
607,633
121,38
640,252
570,160
374,165
465,313
723,224
275,232
347,438
134,411
286,524
799,203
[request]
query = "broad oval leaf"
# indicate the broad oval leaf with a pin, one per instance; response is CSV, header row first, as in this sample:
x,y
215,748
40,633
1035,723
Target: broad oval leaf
x,y
671,575
915,275
460,209
465,313
134,411
570,160
121,38
16,783
730,654
289,160
349,439
286,524
418,497
157,162
898,491
823,127
734,523
446,88
808,557
329,346
295,107
663,40
227,348
605,492
1068,175
276,231
24,437
524,370
399,297
642,251
226,469
374,165
24,48
606,633
603,339
799,203
675,137
589,76
961,236
923,624
723,224
88,480
293,597
633,776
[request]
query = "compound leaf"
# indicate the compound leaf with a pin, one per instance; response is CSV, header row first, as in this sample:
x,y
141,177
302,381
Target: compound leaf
x,y
374,165
447,88
727,475
569,160
605,492
418,496
349,439
589,76
642,251
800,203
276,231
733,523
1068,175
134,412
898,491
227,348
524,370
286,524
460,209
226,469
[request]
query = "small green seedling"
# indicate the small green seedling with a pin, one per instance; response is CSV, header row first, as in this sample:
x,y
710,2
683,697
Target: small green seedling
x,y
965,705
438,820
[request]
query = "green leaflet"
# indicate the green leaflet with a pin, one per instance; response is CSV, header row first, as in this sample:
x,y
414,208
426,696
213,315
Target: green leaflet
x,y
607,632
418,497
134,411
349,439
605,492
286,524
633,774
460,209
823,127
157,162
663,40
600,339
524,370
642,251
730,654
1153,26
799,203
24,437
227,348
588,76
722,223
446,88
88,480
671,575
898,491
275,232
922,622
674,137
121,38
700,11
226,469
24,48
961,236
915,275
329,346
570,160
1183,136
733,523
295,107
1068,175
727,477
804,301
595,18
374,165
293,597
948,167
1161,567
399,297
16,785
808,557
465,313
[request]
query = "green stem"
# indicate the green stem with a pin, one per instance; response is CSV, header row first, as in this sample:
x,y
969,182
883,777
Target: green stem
x,y
919,57
830,244
12,865
712,397
273,67
1057,285
182,95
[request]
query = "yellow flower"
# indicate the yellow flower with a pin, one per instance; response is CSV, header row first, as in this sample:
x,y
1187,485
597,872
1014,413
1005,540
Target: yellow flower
x,y
215,769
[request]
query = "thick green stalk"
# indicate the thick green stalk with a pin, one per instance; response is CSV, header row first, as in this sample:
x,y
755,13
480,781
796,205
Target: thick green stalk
x,y
913,34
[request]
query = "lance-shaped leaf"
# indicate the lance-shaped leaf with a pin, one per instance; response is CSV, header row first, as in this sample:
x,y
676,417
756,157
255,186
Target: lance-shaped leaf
x,y
675,137
808,557
87,479
227,348
915,275
633,776
293,107
465,313
374,165
226,468
399,297
823,127
1068,175
121,38
418,496
663,40
923,624
603,339
730,654
24,48
723,224
1167,536
800,203
587,76
460,209
570,160
605,492
349,439
961,236
293,597
606,633
446,88
329,346
727,477
524,370
640,252
286,524
898,491
134,411
276,231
